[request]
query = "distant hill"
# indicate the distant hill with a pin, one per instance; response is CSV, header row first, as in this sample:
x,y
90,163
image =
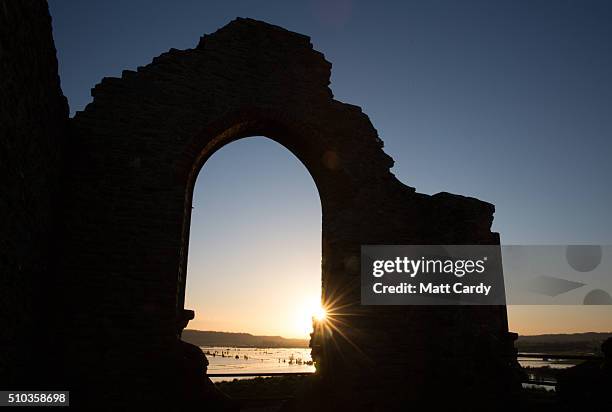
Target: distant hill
x,y
570,343
211,338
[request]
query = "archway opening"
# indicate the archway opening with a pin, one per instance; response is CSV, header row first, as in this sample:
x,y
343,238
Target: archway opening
x,y
254,263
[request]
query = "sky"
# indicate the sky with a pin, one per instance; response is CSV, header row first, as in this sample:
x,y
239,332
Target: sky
x,y
506,101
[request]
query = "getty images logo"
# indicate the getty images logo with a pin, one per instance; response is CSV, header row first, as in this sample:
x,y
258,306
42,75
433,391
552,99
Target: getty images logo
x,y
414,267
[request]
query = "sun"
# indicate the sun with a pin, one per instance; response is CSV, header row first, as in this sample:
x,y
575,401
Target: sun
x,y
305,313
319,313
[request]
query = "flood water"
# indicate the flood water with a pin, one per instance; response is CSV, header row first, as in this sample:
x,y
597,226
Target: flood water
x,y
257,360
552,364
544,370
285,360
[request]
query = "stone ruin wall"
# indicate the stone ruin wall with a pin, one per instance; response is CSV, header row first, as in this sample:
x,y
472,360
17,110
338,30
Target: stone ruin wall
x,y
33,117
113,282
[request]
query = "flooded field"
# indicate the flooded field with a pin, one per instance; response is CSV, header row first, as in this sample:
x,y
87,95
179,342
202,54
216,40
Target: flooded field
x,y
284,360
545,371
552,363
257,360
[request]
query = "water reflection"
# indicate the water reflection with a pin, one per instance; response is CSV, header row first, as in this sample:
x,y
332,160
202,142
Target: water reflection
x,y
257,360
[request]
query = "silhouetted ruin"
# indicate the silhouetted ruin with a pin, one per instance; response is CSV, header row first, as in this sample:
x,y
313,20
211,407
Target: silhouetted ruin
x,y
96,215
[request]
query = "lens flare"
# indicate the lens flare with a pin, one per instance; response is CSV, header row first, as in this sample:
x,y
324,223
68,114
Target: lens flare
x,y
319,313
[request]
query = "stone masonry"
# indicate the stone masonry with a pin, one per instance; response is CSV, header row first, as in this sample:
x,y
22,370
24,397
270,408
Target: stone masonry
x,y
112,248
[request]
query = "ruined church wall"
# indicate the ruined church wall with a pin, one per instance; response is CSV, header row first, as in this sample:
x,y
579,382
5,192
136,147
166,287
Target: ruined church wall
x,y
33,114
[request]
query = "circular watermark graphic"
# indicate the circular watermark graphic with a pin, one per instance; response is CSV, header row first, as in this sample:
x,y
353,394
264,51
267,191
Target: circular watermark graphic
x,y
583,258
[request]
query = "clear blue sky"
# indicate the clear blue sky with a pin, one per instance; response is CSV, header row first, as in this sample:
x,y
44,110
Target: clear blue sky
x,y
507,101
